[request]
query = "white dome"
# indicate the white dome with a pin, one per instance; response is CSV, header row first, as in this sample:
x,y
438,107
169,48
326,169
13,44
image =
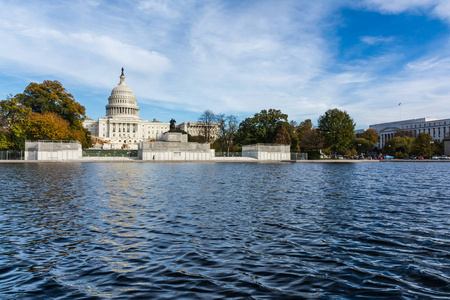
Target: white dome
x,y
122,88
122,103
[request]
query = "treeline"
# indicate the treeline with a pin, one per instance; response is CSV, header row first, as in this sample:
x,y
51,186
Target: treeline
x,y
44,111
47,111
334,133
403,144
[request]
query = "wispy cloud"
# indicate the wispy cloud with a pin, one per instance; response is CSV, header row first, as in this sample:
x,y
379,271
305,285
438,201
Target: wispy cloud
x,y
430,63
229,56
438,8
374,40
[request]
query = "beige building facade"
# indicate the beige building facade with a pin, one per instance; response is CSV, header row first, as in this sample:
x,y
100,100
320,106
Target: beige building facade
x,y
198,129
437,128
122,127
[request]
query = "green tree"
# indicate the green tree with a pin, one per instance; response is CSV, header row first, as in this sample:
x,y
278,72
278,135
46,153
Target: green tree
x,y
402,133
14,122
338,130
261,128
53,97
423,145
362,145
370,135
304,128
439,147
49,96
398,146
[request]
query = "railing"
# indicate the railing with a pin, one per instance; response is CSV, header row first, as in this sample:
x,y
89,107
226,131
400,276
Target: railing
x,y
231,154
299,156
54,141
110,153
11,155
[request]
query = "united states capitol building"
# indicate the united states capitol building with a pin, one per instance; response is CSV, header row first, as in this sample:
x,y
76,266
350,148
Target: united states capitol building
x,y
122,128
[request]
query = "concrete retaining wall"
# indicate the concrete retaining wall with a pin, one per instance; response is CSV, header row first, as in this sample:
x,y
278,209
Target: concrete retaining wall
x,y
175,151
53,150
267,152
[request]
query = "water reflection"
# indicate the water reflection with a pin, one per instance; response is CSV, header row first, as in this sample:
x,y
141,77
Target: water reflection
x,y
126,230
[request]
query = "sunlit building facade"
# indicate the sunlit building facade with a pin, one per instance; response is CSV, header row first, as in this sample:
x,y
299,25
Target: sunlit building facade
x,y
122,127
437,128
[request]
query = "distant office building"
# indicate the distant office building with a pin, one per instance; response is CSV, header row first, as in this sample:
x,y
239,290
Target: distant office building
x,y
437,128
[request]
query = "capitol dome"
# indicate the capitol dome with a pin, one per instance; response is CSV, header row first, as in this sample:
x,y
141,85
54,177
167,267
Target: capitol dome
x,y
122,103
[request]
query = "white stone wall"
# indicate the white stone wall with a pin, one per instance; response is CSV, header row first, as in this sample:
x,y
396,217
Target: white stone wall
x,y
53,150
176,155
175,151
267,152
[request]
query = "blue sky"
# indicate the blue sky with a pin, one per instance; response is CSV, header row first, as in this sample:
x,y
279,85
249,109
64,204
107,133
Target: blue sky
x,y
236,57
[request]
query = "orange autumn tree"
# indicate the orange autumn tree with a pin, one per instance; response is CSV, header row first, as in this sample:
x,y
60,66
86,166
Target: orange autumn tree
x,y
55,115
48,126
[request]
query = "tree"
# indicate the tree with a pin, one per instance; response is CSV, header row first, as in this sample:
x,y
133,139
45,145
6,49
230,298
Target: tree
x,y
423,145
362,145
283,137
402,133
291,129
232,124
261,128
207,120
48,126
337,128
304,128
14,122
228,126
52,96
312,141
439,147
398,146
221,140
43,98
370,135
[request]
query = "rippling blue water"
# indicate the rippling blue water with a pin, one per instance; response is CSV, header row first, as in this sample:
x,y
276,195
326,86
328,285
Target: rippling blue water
x,y
224,230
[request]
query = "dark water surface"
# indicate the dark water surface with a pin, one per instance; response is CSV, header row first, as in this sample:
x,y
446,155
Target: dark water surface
x,y
224,230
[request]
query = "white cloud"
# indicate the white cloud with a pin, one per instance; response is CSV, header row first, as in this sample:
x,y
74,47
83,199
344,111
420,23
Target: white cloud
x,y
374,40
398,6
439,8
442,10
429,63
231,57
